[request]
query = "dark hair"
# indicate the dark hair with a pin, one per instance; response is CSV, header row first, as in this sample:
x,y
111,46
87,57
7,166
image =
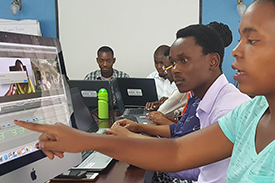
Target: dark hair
x,y
166,53
160,50
224,31
206,37
105,49
18,62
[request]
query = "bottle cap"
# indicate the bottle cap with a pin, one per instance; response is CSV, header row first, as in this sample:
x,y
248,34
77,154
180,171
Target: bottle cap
x,y
102,93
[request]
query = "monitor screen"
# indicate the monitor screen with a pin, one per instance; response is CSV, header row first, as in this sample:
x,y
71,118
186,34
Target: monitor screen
x,y
32,89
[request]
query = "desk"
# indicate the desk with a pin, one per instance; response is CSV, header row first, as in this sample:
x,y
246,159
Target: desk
x,y
118,172
121,172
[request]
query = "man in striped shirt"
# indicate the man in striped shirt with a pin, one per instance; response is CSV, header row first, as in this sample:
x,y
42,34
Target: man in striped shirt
x,y
105,60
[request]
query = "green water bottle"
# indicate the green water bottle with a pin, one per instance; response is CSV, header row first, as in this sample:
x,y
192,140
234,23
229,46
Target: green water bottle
x,y
103,105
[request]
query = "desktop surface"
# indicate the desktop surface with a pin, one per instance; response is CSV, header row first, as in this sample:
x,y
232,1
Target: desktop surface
x,y
116,172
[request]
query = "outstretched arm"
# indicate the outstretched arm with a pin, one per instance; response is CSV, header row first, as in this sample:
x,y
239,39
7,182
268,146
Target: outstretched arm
x,y
168,155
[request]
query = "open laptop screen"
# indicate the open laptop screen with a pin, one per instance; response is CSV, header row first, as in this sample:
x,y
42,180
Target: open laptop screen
x,y
32,89
136,92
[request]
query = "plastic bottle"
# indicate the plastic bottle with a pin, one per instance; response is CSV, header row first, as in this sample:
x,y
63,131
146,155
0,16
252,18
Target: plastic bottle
x,y
103,105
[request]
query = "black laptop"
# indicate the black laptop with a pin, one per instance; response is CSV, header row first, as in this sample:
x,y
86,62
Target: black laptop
x,y
83,120
137,114
89,90
136,92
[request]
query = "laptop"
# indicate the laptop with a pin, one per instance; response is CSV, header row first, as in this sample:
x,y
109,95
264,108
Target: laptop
x,y
136,92
82,119
89,90
137,114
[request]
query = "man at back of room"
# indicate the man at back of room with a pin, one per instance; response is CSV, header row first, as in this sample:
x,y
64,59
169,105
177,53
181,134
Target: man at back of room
x,y
163,85
105,60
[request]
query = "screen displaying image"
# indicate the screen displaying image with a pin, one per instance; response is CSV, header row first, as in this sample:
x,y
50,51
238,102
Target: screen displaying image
x,y
32,89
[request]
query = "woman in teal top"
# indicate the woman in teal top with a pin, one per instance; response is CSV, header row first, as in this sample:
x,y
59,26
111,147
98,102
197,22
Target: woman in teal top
x,y
247,165
247,133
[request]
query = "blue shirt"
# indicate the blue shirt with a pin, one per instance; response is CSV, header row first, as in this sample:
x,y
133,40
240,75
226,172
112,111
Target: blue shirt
x,y
240,126
188,123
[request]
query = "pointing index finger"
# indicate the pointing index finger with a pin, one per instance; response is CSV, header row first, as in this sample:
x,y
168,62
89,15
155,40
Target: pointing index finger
x,y
33,126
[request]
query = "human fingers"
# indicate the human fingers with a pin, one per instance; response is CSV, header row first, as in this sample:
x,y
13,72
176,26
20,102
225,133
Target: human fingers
x,y
52,154
109,131
148,106
49,153
34,126
115,123
114,130
121,122
132,126
118,131
151,114
46,137
51,148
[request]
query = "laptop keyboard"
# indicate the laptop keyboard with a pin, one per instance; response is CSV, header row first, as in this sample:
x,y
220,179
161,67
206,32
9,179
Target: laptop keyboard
x,y
131,117
88,161
134,111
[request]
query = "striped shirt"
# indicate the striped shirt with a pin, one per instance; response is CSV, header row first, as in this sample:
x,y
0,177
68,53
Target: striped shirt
x,y
96,75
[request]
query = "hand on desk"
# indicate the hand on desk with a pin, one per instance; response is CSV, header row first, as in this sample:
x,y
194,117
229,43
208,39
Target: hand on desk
x,y
123,128
159,118
155,105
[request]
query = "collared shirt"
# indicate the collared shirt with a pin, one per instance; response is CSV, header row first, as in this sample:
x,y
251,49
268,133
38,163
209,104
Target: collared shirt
x,y
96,75
174,104
221,98
188,123
164,86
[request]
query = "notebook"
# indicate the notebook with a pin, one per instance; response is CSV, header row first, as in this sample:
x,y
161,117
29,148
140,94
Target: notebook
x,y
136,92
137,114
83,120
89,90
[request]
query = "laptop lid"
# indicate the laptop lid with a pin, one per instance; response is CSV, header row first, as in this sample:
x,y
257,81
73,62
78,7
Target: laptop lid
x,y
136,92
89,90
81,118
119,103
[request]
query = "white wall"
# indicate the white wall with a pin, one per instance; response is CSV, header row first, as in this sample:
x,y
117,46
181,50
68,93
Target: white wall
x,y
134,29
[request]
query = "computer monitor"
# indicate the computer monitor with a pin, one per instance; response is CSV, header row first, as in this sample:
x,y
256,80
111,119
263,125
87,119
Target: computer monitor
x,y
32,88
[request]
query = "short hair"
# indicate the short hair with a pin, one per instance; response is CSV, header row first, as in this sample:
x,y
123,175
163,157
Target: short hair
x,y
18,62
167,52
161,49
206,37
105,49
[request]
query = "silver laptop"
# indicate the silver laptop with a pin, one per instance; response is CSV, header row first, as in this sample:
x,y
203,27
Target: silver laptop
x,y
83,120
